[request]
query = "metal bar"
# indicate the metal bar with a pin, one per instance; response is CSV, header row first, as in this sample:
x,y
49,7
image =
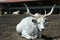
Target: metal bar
x,y
37,7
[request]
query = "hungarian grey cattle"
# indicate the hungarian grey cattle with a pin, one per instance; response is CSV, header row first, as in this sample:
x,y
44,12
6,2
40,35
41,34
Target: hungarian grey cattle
x,y
30,26
5,13
16,12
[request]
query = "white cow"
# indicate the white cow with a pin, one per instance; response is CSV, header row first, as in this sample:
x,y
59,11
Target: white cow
x,y
29,26
16,12
5,13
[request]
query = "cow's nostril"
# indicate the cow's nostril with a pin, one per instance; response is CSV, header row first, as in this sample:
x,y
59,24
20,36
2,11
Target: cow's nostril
x,y
43,29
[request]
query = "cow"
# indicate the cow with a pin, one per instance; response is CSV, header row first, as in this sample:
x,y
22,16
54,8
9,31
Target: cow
x,y
32,25
16,12
5,13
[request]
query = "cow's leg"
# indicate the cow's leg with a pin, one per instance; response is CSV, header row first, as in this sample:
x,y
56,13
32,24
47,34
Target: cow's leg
x,y
25,35
39,34
29,37
34,37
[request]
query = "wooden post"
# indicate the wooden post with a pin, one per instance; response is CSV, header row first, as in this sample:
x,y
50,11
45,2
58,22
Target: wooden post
x,y
9,8
0,12
59,11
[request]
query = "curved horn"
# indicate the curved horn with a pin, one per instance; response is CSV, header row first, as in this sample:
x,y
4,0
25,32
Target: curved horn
x,y
51,10
27,8
28,12
45,12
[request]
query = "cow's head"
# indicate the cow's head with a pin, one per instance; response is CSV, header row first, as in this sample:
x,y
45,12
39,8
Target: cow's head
x,y
41,19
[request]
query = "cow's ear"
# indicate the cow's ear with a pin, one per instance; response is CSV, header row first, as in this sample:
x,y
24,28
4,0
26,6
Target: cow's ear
x,y
34,21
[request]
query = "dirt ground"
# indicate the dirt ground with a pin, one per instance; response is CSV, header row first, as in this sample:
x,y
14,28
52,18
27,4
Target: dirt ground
x,y
8,24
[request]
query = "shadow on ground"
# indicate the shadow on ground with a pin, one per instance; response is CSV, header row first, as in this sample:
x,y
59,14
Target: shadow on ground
x,y
45,37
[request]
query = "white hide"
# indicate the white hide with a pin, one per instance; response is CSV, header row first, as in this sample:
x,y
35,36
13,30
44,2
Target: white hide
x,y
27,28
